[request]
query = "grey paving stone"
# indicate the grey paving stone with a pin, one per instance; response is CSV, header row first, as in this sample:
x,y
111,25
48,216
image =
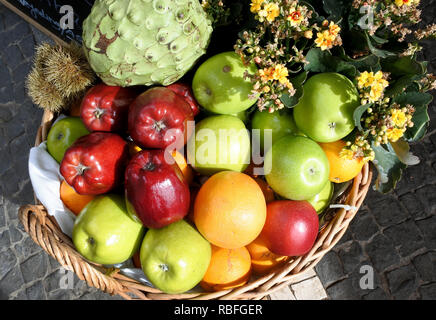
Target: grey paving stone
x,y
427,196
26,248
426,266
388,211
381,252
342,290
12,56
34,267
329,269
36,291
403,282
351,256
376,294
428,291
413,205
15,232
427,227
406,236
5,240
8,261
60,295
363,226
12,281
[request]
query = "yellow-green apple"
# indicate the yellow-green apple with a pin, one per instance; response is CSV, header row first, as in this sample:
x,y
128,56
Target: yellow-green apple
x,y
219,84
175,258
296,167
325,112
105,233
63,134
220,143
322,199
281,123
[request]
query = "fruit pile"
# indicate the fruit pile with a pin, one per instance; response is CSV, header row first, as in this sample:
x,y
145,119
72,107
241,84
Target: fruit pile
x,y
208,180
209,217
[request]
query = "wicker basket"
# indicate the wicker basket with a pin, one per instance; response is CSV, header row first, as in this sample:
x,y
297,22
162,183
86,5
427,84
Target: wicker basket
x,y
46,233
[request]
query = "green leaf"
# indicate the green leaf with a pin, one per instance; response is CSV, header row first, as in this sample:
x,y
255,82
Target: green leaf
x,y
402,150
378,40
389,168
297,82
398,86
420,102
400,66
378,52
334,8
357,115
369,62
323,61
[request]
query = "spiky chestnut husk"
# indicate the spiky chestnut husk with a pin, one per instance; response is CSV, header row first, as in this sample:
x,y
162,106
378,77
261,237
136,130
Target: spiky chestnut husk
x,y
42,92
67,69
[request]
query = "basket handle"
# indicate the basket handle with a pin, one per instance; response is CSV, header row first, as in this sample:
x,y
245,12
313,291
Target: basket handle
x,y
47,234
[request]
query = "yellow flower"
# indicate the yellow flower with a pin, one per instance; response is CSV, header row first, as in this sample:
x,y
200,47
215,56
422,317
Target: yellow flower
x,y
346,154
362,79
280,73
256,5
394,134
324,40
398,117
399,3
295,17
266,74
270,11
334,29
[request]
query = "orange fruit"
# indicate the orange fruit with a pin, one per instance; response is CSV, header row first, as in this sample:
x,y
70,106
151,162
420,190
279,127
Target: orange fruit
x,y
262,259
186,169
228,268
72,200
230,209
266,189
184,166
341,169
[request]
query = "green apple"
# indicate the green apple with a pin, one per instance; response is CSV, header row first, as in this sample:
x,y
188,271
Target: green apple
x,y
219,85
105,233
322,199
281,123
325,112
296,167
175,258
63,134
219,143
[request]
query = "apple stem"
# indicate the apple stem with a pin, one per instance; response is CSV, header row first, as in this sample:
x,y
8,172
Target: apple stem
x,y
164,267
81,169
98,113
159,125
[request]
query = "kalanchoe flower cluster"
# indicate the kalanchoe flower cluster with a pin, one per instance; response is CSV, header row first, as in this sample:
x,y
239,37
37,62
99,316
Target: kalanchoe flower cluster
x,y
278,47
328,36
383,123
391,16
371,86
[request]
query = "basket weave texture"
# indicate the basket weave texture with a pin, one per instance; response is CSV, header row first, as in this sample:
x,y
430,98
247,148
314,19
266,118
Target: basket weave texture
x,y
45,231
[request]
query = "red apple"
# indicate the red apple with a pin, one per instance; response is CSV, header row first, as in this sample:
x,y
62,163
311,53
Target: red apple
x,y
95,163
105,108
156,193
158,118
186,93
291,227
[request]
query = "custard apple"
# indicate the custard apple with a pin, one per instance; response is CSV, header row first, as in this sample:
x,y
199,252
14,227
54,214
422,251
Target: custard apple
x,y
145,42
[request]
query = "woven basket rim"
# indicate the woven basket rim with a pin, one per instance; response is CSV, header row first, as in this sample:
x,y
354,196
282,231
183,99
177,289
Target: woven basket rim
x,y
45,231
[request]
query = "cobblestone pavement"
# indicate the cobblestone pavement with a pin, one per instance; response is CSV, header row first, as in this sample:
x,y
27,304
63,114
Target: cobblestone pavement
x,y
395,234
